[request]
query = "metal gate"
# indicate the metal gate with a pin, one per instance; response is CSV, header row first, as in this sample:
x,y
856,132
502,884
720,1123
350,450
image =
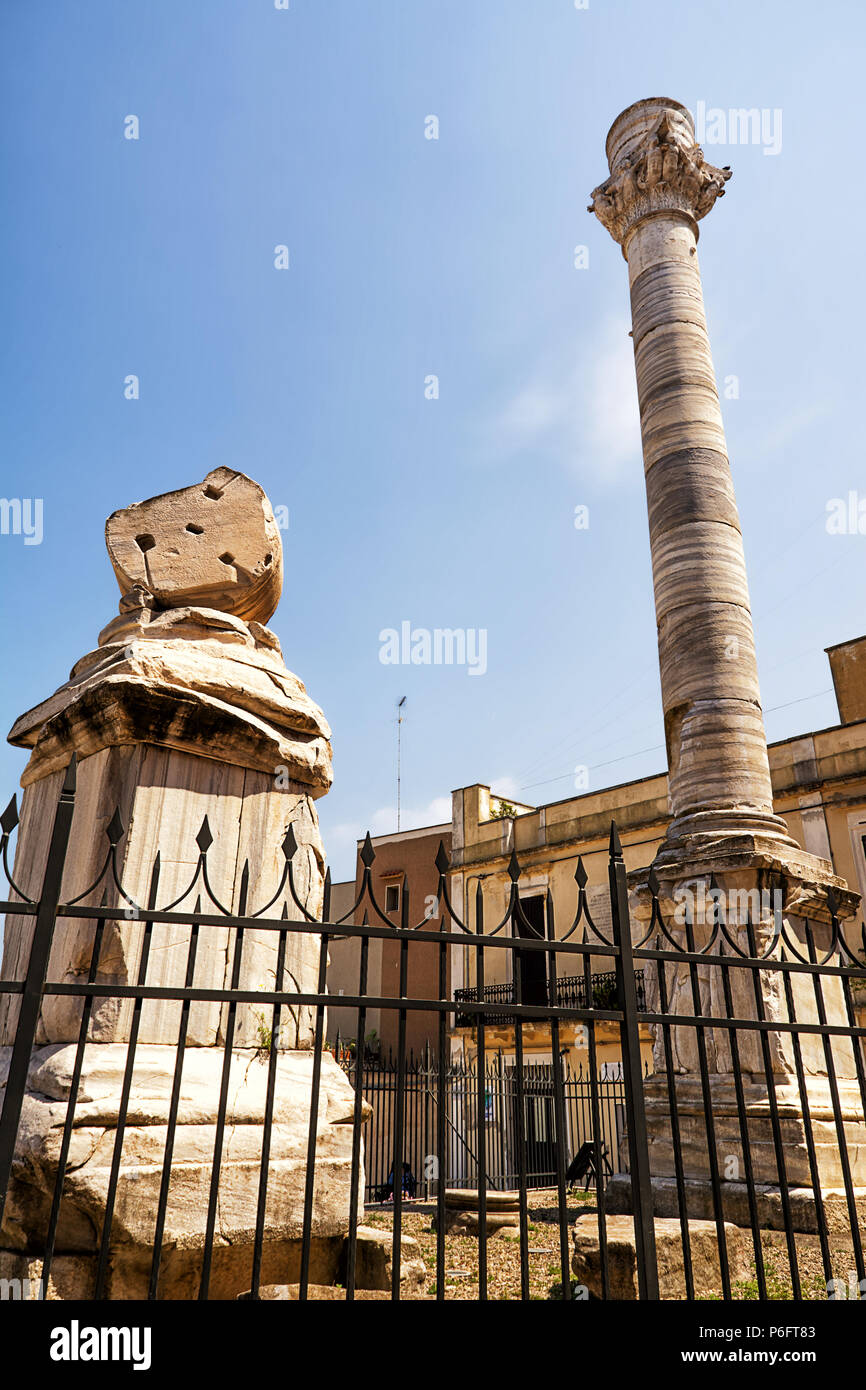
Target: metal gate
x,y
691,987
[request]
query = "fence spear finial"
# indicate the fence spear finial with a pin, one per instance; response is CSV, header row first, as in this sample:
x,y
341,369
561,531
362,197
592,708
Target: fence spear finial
x,y
9,818
615,846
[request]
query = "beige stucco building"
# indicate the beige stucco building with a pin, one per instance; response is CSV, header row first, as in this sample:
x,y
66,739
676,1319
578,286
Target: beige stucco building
x,y
819,788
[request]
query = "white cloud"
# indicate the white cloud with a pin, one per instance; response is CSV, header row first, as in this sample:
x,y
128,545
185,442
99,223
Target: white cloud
x,y
584,415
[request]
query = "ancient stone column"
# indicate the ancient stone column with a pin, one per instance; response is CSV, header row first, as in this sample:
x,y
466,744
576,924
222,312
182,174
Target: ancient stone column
x,y
184,711
660,187
723,829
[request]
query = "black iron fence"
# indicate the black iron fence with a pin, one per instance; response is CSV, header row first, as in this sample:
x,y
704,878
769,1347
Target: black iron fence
x,y
498,1084
752,1121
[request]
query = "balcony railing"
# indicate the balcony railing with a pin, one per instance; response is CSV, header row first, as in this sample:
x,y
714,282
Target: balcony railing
x,y
571,993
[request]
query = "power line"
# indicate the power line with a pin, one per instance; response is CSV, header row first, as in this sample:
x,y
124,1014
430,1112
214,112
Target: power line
x,y
593,767
400,704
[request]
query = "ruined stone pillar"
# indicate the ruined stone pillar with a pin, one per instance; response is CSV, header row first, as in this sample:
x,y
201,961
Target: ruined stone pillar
x,y
185,711
723,829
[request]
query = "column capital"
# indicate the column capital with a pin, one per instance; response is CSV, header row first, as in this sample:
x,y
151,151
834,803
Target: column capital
x,y
655,166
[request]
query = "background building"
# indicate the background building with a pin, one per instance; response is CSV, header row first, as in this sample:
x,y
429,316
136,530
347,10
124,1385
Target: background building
x,y
405,861
819,787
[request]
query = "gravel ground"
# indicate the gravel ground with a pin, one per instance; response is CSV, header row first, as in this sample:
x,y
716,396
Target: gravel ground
x,y
503,1251
545,1276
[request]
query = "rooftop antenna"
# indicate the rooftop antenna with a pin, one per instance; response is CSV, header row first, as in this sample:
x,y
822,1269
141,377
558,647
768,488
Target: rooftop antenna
x,y
400,704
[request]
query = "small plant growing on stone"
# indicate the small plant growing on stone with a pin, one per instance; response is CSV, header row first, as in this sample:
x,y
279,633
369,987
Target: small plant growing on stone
x,y
264,1037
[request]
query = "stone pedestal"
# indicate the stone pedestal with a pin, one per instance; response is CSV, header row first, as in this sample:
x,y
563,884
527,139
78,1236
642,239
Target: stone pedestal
x,y
90,1157
723,831
184,717
463,1217
750,991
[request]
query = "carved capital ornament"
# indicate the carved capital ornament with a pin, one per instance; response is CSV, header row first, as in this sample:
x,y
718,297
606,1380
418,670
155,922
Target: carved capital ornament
x,y
665,172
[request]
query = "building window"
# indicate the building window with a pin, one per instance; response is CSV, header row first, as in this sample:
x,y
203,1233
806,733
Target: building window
x,y
392,897
857,828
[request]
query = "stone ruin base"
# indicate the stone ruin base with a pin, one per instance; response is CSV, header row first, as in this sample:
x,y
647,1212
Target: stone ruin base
x,y
373,1268
703,1238
735,1203
374,1263
622,1257
73,1276
693,1137
73,1269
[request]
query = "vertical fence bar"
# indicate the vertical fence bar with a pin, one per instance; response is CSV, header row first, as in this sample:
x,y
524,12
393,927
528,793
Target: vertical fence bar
x,y
682,1203
357,1117
174,1105
75,1082
480,1109
315,1088
400,1109
775,1124
559,1111
520,1127
426,1149
123,1108
712,1152
744,1132
642,1195
820,1214
268,1118
441,1113
830,1063
213,1199
34,981
380,1110
597,1138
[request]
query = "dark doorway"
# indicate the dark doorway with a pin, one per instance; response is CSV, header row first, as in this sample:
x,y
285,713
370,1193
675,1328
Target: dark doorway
x,y
539,1135
532,964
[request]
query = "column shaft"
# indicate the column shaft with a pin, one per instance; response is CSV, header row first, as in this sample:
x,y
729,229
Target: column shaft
x,y
717,752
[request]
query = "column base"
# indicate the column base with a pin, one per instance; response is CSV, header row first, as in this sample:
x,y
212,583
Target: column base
x,y
22,1238
693,1137
741,847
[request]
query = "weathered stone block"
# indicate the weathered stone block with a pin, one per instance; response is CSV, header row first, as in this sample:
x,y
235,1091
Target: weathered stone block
x,y
374,1263
622,1257
87,1179
462,1216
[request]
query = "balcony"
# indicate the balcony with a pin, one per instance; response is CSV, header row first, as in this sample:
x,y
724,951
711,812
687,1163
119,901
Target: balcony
x,y
571,993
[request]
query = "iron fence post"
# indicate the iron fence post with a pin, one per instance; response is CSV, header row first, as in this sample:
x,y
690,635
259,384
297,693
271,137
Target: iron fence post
x,y
34,982
641,1185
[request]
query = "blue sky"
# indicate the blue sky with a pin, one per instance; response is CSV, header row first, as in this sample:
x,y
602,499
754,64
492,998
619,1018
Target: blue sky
x,y
411,257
